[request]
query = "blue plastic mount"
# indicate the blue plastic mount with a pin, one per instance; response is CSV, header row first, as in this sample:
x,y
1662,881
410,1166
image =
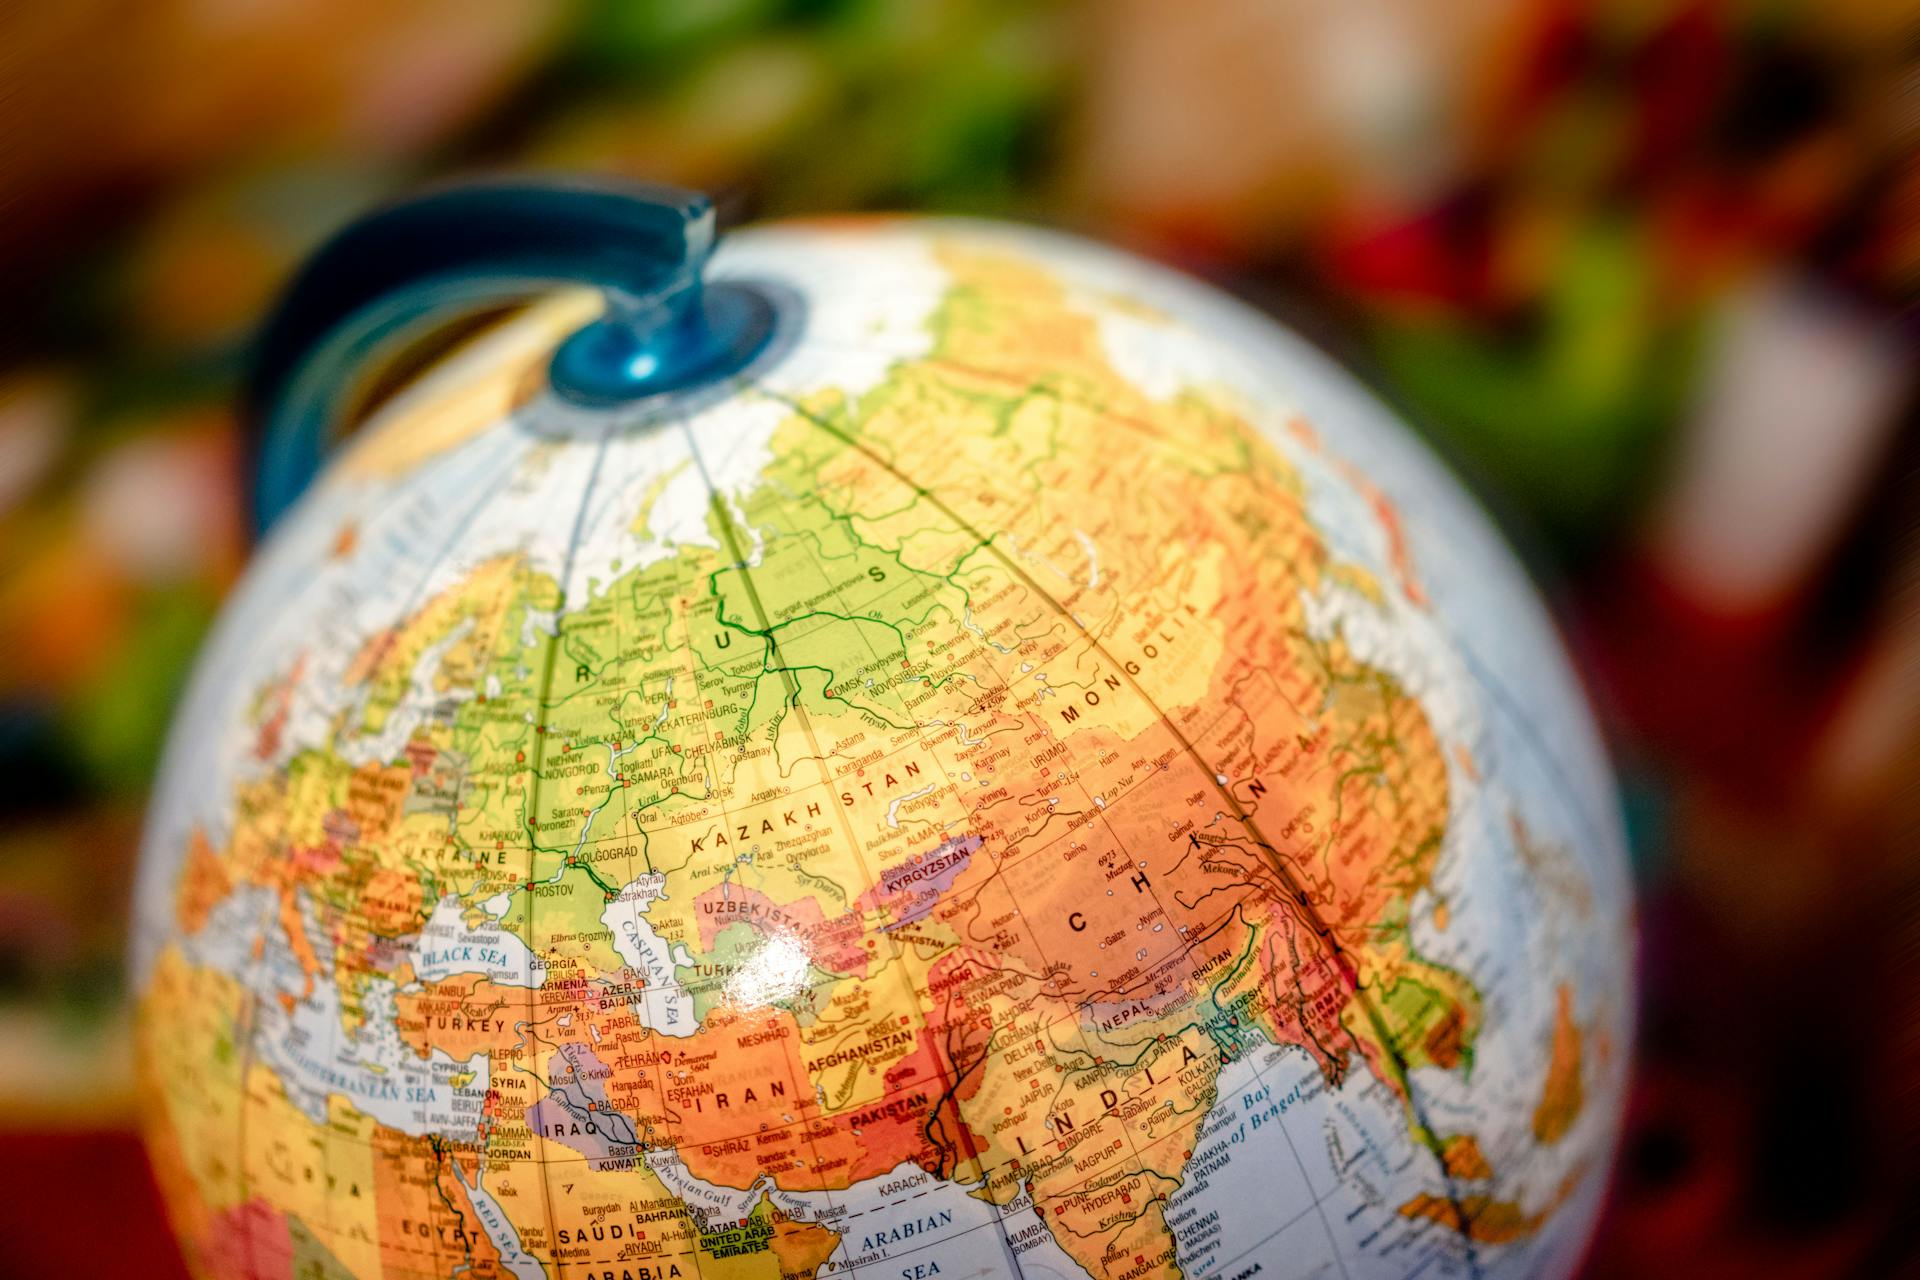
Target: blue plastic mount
x,y
401,271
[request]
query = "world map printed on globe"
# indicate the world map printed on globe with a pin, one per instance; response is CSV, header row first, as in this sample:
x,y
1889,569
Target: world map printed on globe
x,y
1043,778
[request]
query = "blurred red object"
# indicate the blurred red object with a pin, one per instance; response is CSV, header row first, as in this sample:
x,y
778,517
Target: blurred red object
x,y
82,1204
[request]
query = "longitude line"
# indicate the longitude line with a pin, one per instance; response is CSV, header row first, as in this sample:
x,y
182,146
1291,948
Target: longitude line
x,y
533,795
1301,899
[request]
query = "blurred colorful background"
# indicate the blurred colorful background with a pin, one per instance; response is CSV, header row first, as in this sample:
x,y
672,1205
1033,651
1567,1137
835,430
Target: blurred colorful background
x,y
1646,271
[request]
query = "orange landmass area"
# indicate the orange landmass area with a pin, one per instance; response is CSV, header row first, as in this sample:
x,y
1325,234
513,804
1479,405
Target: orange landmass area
x,y
391,903
738,1098
1562,1095
1464,1160
1212,781
204,881
298,942
739,1102
802,1248
1335,786
426,1222
1445,1043
1120,1229
1050,908
461,1015
1478,1217
1102,1181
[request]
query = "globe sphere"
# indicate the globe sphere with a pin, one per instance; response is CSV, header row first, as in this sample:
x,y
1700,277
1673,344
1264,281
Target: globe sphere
x,y
1039,775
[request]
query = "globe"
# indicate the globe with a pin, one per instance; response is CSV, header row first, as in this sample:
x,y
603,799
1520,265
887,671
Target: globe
x,y
1037,776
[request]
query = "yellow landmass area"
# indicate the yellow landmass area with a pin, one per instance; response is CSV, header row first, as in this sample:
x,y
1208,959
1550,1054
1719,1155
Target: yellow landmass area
x,y
322,1174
